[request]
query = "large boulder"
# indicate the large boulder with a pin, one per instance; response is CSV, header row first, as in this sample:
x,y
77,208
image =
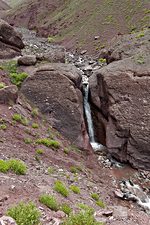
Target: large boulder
x,y
120,96
10,41
53,88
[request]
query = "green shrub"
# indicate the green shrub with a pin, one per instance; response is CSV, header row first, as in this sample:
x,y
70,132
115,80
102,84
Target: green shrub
x,y
4,166
81,218
101,60
10,66
50,170
2,85
61,188
35,112
3,127
48,143
35,125
19,118
18,78
28,140
100,203
75,189
140,35
75,169
85,207
95,196
25,214
50,201
66,151
66,208
15,165
39,151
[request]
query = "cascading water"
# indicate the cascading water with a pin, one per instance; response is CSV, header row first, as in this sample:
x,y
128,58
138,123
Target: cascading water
x,y
96,146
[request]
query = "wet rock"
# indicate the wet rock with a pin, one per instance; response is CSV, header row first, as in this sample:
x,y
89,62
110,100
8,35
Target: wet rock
x,y
27,60
6,220
8,94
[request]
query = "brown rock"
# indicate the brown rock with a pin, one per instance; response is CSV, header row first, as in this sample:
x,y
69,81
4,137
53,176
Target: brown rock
x,y
8,94
57,55
10,36
27,60
53,89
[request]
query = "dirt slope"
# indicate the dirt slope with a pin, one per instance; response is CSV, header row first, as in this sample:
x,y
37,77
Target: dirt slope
x,y
77,22
4,5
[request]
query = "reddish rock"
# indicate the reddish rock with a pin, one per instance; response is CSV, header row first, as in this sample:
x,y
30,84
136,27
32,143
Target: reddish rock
x,y
54,90
8,94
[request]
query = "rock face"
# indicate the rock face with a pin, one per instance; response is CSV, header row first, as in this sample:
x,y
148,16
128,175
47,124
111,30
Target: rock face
x,y
54,89
120,99
10,41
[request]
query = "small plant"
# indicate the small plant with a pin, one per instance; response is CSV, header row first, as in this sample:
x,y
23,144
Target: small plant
x,y
50,39
28,140
102,60
75,169
35,125
95,196
66,151
75,189
35,113
100,203
50,170
81,218
15,165
25,214
2,85
3,127
19,118
140,35
10,66
18,78
140,59
40,151
85,207
50,201
61,188
66,208
48,143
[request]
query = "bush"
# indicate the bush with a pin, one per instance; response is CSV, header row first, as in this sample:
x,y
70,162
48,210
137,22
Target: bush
x,y
39,151
19,118
50,201
66,208
95,196
15,165
35,125
81,218
48,143
75,189
18,78
2,85
25,214
35,112
3,126
100,203
61,188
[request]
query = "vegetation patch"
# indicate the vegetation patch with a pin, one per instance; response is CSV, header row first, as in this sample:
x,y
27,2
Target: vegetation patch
x,y
18,78
50,170
48,143
21,119
81,218
95,196
75,189
15,165
66,208
75,169
40,151
66,151
60,187
25,214
50,201
28,140
100,203
35,113
2,85
35,125
3,126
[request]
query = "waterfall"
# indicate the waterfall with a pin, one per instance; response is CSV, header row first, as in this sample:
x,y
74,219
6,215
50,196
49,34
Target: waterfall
x,y
96,146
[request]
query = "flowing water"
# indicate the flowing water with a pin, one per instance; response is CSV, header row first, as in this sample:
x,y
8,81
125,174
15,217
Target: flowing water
x,y
96,146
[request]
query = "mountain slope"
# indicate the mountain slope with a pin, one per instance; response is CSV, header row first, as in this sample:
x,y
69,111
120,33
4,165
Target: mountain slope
x,y
4,5
75,23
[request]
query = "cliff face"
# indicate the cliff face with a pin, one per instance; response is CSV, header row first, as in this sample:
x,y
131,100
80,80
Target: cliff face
x,y
81,24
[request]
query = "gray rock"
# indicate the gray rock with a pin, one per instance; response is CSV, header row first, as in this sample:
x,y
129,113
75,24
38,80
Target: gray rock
x,y
8,94
27,60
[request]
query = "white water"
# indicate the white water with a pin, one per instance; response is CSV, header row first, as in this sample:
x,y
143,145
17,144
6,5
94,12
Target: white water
x,y
96,146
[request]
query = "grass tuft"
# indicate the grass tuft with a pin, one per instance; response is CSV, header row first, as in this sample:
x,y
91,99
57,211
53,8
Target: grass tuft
x,y
61,188
15,165
75,189
25,214
66,208
95,196
35,125
48,143
50,201
21,119
2,85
